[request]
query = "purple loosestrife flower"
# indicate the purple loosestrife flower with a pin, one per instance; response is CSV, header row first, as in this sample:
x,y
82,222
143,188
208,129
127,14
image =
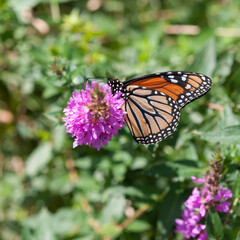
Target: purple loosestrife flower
x,y
94,115
222,195
211,194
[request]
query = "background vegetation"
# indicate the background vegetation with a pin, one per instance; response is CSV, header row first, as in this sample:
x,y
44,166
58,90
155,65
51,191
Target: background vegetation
x,y
126,191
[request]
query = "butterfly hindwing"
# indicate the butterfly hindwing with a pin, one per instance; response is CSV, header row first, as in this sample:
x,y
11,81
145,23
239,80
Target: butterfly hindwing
x,y
151,115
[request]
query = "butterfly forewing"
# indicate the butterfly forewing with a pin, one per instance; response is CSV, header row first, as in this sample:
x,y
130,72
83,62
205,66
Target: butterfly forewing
x,y
151,115
183,87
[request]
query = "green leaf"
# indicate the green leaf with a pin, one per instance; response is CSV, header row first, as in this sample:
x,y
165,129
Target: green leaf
x,y
187,168
139,226
205,60
59,135
183,168
224,66
161,170
236,186
130,191
51,91
228,118
66,220
46,225
114,209
169,210
38,159
60,184
109,229
227,135
138,163
238,236
27,234
42,224
183,138
3,4
214,226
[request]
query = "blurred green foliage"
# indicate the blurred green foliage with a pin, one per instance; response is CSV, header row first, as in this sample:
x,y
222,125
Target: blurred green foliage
x,y
126,191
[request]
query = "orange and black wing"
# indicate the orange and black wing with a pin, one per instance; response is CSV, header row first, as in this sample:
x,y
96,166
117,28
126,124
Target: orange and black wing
x,y
151,115
182,87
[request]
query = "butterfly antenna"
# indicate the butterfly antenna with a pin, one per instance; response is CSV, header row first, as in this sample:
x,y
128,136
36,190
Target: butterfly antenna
x,y
92,78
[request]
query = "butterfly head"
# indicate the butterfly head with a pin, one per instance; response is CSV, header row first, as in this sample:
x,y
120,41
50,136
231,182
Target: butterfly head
x,y
116,85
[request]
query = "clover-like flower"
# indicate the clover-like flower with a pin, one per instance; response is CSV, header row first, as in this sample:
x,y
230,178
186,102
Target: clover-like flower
x,y
94,115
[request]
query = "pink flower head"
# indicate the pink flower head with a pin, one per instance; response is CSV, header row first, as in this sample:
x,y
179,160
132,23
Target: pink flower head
x,y
94,115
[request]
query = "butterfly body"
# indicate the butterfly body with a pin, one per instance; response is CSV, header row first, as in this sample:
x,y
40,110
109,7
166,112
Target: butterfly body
x,y
153,102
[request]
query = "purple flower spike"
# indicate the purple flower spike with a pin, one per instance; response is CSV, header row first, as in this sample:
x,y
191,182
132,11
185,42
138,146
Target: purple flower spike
x,y
211,194
94,115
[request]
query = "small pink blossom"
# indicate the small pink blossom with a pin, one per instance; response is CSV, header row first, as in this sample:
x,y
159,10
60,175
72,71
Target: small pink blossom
x,y
223,207
194,200
221,197
223,194
198,180
203,235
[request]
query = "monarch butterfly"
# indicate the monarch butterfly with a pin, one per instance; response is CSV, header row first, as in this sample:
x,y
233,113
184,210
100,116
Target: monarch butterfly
x,y
153,102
